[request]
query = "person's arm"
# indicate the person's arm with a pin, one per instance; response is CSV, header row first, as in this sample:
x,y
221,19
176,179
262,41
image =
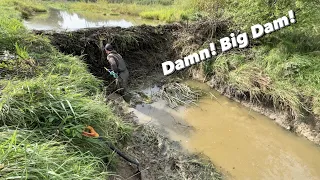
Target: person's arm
x,y
113,64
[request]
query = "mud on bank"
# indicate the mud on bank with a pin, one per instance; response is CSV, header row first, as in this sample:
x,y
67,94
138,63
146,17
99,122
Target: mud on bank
x,y
145,48
308,126
160,157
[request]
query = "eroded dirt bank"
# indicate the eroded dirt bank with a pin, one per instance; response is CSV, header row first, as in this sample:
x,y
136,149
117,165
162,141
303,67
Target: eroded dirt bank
x,y
146,47
160,157
143,47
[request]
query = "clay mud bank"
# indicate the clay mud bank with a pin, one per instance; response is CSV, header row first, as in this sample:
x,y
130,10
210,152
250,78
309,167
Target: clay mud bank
x,y
146,47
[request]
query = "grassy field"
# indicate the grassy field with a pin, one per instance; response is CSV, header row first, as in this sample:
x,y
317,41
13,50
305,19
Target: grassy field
x,y
166,12
46,100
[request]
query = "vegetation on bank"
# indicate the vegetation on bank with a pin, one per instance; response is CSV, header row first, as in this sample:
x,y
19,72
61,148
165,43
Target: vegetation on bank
x,y
284,66
155,10
46,100
44,105
28,155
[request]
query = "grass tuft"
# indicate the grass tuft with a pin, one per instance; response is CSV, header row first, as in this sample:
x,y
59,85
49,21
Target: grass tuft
x,y
48,95
26,155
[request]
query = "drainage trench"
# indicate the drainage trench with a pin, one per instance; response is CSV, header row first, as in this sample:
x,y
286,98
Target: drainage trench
x,y
244,144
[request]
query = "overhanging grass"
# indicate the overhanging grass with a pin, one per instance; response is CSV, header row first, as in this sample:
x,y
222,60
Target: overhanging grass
x,y
289,79
26,155
58,99
28,9
66,97
285,67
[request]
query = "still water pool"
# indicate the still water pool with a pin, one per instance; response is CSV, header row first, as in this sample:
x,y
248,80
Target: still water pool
x,y
63,20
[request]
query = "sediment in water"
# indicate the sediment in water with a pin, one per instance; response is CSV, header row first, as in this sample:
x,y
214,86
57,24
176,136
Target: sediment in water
x,y
145,47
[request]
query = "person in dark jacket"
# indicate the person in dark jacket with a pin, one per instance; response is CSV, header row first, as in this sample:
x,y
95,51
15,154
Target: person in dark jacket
x,y
118,65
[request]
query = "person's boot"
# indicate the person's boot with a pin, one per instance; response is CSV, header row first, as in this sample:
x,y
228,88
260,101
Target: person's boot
x,y
127,97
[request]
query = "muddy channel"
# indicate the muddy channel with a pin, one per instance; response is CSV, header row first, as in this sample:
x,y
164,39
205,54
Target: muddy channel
x,y
241,143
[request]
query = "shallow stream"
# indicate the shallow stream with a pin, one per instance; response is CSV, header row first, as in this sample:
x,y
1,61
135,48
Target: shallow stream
x,y
243,144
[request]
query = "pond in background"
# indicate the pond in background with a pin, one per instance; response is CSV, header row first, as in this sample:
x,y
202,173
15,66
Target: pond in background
x,y
63,20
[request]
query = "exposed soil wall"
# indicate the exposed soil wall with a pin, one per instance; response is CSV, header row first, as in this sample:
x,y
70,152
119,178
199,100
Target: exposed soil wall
x,y
145,47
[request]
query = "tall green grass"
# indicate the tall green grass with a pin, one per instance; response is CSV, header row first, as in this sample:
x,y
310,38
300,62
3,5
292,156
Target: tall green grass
x,y
48,95
144,2
289,79
26,155
64,97
285,67
13,31
154,10
166,15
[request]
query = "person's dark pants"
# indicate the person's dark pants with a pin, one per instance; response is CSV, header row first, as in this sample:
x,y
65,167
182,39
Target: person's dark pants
x,y
122,85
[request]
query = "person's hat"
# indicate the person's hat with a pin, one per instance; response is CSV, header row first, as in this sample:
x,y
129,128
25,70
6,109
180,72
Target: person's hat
x,y
108,47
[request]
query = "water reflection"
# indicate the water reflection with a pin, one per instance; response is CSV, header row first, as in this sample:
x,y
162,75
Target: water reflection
x,y
62,20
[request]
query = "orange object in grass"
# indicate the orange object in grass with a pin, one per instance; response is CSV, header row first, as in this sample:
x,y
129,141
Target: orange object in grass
x,y
91,133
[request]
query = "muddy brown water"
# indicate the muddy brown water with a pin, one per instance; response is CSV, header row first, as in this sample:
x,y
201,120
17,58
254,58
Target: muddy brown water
x,y
63,20
243,144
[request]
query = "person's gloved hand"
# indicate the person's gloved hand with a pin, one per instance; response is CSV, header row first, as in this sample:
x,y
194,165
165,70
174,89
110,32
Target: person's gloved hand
x,y
112,73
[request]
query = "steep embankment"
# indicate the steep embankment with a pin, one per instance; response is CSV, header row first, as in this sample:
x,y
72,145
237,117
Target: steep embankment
x,y
46,100
143,47
146,47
